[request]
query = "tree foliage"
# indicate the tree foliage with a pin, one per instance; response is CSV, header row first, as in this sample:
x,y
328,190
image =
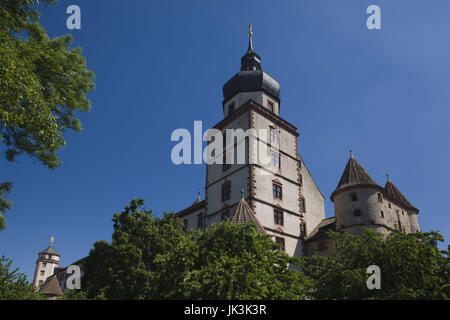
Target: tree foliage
x,y
5,205
14,285
43,82
412,267
153,258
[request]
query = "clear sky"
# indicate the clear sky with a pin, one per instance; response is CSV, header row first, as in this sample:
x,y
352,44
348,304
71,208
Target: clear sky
x,y
160,65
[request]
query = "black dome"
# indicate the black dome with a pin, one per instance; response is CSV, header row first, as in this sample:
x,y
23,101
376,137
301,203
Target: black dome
x,y
251,77
248,81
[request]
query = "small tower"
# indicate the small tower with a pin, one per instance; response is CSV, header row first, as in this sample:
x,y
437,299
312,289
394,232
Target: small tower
x,y
47,261
357,200
400,205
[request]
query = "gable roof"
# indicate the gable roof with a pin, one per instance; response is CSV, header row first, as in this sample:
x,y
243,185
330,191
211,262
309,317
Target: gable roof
x,y
354,175
244,213
394,194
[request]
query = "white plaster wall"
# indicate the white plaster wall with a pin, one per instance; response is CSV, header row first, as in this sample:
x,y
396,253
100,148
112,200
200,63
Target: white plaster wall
x,y
239,180
314,200
192,218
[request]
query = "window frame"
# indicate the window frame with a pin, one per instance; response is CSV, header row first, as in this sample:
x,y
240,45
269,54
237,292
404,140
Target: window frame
x,y
269,105
231,109
278,217
277,190
280,240
226,192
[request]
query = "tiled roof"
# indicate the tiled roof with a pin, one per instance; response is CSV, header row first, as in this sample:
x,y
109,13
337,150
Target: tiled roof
x,y
322,228
354,175
394,194
244,213
51,287
50,250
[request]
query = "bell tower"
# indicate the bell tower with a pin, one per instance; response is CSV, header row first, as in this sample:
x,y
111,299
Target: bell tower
x,y
279,188
48,260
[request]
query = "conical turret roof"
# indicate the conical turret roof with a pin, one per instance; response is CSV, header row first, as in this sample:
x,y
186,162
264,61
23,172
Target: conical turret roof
x,y
50,250
244,213
354,175
394,194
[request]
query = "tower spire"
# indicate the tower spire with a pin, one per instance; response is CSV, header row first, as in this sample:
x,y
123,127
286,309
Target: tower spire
x,y
250,38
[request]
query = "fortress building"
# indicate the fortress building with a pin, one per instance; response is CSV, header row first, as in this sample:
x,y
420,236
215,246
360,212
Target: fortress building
x,y
281,193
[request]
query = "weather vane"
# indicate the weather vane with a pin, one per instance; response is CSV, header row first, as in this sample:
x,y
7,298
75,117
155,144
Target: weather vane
x,y
52,239
250,33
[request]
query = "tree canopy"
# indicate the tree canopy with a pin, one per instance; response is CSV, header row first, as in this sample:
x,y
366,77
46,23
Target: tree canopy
x,y
43,82
153,258
412,267
14,285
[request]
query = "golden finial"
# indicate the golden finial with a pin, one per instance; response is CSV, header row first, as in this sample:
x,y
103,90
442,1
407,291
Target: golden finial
x,y
52,239
250,33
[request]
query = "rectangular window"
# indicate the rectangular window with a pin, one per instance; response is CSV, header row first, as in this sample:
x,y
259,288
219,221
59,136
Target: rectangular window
x,y
303,229
353,197
274,135
225,165
277,191
231,109
200,221
270,106
225,215
42,272
382,214
280,241
44,264
278,217
302,205
226,193
276,160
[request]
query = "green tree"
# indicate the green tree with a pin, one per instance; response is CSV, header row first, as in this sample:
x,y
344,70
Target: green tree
x,y
43,82
73,295
5,205
412,267
152,258
14,285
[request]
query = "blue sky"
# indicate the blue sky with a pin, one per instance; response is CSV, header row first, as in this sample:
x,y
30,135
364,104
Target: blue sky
x,y
160,65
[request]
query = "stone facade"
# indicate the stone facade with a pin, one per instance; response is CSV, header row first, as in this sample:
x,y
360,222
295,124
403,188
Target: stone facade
x,y
279,189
